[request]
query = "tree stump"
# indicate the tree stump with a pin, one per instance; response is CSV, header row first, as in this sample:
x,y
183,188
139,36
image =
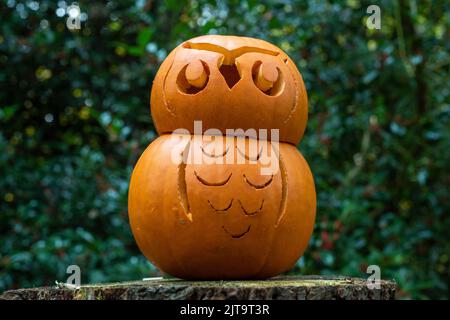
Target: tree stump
x,y
281,288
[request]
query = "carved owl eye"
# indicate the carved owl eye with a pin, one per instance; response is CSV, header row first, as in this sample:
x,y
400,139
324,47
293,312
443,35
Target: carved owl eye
x,y
268,78
194,77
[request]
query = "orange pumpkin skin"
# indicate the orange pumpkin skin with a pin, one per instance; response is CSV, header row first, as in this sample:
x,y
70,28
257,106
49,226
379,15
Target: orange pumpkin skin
x,y
192,225
230,82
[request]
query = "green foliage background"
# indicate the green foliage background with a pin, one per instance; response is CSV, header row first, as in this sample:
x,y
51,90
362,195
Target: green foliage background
x,y
74,117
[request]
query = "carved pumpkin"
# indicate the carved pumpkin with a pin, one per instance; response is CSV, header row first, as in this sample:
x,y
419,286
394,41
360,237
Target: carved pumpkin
x,y
230,82
221,221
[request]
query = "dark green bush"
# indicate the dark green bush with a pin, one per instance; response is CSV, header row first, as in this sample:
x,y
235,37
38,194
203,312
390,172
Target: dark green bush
x,y
74,117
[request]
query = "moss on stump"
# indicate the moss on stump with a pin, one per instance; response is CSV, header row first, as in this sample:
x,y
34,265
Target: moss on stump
x,y
285,288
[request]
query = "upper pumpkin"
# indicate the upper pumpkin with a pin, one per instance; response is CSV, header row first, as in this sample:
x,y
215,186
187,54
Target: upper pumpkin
x,y
230,82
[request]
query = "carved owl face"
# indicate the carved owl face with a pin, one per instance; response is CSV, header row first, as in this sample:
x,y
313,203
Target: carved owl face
x,y
230,82
221,217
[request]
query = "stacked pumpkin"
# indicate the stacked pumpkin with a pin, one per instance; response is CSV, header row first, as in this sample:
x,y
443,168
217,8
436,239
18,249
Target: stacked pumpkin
x,y
239,212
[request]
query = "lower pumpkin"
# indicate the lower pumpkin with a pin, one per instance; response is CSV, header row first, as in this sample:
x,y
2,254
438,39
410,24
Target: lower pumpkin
x,y
203,220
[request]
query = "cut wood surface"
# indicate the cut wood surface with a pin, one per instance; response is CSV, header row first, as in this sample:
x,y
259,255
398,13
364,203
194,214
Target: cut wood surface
x,y
286,288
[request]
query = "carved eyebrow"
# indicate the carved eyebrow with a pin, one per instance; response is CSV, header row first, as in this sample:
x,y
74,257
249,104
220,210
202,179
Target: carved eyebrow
x,y
212,184
223,154
258,186
229,55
